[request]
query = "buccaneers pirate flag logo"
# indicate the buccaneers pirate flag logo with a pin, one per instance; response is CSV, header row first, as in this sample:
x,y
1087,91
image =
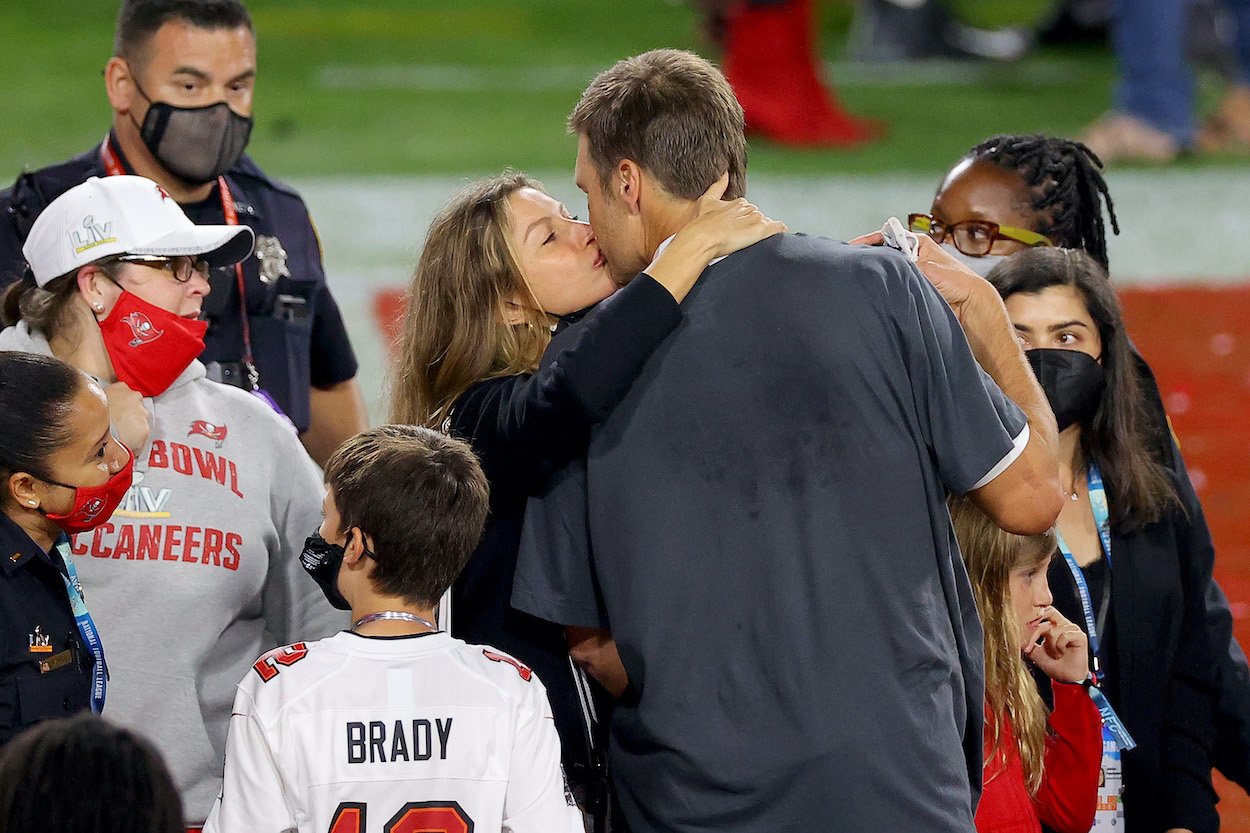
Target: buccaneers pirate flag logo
x,y
142,329
217,433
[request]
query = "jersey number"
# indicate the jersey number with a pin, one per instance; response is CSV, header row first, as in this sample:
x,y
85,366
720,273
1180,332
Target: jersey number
x,y
413,817
267,666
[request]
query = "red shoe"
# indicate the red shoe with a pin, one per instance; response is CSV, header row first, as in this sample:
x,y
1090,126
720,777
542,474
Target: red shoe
x,y
771,64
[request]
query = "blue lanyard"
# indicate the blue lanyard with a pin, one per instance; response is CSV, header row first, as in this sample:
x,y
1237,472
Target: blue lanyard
x,y
1102,519
1113,728
86,627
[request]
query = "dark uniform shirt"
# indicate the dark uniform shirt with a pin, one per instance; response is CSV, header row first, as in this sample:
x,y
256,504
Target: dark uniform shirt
x,y
37,628
297,333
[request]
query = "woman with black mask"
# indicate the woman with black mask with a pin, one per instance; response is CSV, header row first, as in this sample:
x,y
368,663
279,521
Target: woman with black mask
x,y
1134,555
63,473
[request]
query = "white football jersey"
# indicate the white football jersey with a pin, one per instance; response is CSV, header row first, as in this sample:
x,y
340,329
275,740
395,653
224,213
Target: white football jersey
x,y
357,734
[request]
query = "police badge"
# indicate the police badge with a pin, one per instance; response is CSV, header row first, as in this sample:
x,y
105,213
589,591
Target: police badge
x,y
272,259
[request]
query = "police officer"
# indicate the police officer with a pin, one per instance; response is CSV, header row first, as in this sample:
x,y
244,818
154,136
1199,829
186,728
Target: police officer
x,y
61,473
180,84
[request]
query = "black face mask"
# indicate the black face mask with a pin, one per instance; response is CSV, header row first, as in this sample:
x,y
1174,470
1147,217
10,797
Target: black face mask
x,y
1073,382
195,144
322,560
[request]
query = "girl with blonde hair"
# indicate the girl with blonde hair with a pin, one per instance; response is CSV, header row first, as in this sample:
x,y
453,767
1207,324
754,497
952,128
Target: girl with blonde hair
x,y
1039,767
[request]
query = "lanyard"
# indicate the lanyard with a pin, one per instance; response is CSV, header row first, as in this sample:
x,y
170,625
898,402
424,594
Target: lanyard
x,y
1113,727
113,166
86,627
1098,503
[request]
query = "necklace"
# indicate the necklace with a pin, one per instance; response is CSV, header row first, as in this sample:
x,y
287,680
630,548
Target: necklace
x,y
400,615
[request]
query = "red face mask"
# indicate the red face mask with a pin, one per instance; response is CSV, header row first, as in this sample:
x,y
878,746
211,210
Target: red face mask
x,y
93,505
149,346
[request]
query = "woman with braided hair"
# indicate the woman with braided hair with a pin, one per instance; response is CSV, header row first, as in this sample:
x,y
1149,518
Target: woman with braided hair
x,y
1013,192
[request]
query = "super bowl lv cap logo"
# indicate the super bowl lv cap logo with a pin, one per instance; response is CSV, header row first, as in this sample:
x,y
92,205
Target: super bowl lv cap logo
x,y
91,234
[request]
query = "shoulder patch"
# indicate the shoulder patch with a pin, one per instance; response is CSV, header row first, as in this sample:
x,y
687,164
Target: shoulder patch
x,y
269,665
522,668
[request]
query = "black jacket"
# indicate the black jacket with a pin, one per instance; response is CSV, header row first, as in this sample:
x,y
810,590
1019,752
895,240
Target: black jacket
x,y
298,337
522,427
1163,676
37,627
1231,754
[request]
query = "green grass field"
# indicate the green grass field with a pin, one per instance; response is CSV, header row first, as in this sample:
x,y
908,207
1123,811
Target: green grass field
x,y
417,87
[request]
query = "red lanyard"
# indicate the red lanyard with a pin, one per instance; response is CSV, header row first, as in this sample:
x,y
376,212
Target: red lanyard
x,y
113,166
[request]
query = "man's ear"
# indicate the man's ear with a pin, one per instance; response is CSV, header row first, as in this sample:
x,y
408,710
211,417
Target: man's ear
x,y
119,85
627,182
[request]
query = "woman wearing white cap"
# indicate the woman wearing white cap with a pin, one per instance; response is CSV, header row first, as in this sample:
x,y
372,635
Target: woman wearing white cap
x,y
197,572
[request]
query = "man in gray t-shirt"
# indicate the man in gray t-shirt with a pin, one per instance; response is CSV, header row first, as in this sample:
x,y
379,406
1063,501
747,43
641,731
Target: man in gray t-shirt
x,y
761,521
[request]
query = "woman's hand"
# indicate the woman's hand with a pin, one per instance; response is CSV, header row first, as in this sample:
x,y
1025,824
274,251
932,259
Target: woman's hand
x,y
1059,648
723,227
130,419
718,228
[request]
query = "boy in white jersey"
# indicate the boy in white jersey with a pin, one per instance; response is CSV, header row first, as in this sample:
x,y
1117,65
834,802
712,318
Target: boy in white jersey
x,y
394,726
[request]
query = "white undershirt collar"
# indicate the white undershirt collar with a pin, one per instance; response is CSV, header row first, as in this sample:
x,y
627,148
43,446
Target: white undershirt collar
x,y
660,250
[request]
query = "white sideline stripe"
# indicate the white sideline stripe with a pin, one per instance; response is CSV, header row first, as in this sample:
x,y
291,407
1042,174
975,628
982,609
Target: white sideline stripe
x,y
460,78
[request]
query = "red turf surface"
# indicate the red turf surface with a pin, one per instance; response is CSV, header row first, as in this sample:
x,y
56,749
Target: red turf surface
x,y
1198,342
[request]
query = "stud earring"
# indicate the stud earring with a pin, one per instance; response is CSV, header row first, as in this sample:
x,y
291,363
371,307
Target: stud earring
x,y
97,307
31,502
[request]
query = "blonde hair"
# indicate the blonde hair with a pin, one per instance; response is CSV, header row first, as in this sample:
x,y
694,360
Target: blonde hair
x,y
456,332
1010,692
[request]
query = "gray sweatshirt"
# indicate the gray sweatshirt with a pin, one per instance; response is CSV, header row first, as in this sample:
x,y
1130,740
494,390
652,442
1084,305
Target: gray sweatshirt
x,y
197,573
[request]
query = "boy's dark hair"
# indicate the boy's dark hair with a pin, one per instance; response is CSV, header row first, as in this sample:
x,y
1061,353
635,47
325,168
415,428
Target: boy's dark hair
x,y
83,773
36,398
1065,185
139,20
420,496
674,114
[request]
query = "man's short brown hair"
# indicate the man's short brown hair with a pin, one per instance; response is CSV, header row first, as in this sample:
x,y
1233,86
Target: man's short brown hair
x,y
139,20
420,496
674,114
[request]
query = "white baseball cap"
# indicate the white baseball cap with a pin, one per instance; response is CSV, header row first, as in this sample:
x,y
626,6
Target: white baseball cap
x,y
124,215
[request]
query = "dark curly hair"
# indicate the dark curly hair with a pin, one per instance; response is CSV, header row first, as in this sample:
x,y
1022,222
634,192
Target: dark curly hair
x,y
1066,187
